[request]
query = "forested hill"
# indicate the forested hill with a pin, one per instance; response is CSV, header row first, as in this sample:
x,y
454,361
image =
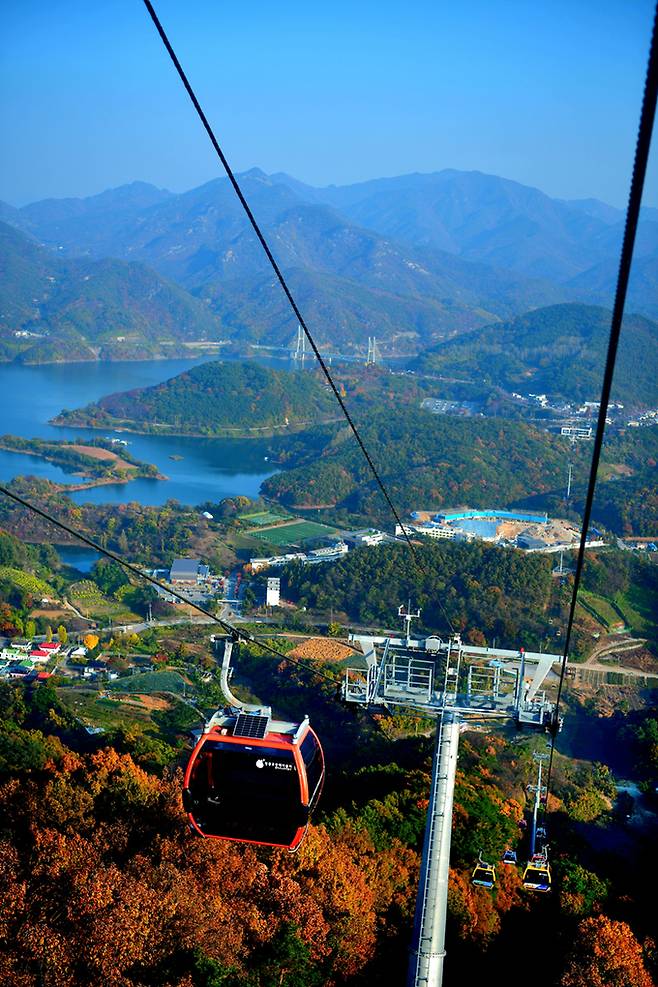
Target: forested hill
x,y
483,589
87,310
559,350
427,461
213,399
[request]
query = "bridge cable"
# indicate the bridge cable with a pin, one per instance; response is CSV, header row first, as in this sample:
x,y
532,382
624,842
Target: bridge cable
x,y
235,632
642,149
288,293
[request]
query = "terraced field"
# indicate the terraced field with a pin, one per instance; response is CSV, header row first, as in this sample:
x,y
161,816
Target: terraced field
x,y
88,599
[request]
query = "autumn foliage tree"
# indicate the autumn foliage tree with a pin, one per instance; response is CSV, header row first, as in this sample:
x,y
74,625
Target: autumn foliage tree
x,y
606,954
102,883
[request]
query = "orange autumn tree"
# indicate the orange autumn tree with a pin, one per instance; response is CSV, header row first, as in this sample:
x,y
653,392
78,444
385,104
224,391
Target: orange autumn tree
x,y
477,912
102,883
606,954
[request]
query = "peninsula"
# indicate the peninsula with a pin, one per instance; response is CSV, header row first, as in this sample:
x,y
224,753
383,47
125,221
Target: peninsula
x,y
99,462
218,399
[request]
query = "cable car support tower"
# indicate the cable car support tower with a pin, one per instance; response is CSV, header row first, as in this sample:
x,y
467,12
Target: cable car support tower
x,y
455,683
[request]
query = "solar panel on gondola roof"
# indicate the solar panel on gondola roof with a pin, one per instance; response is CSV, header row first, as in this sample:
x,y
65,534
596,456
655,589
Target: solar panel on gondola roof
x,y
251,726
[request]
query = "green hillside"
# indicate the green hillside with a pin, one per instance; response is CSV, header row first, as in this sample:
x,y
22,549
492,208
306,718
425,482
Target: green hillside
x,y
213,399
425,461
480,587
559,350
83,310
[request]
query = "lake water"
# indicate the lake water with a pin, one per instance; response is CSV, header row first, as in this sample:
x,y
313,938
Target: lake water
x,y
207,470
78,556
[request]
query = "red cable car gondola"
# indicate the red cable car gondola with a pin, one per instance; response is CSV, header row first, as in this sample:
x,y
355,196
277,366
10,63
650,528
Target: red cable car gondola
x,y
254,779
251,778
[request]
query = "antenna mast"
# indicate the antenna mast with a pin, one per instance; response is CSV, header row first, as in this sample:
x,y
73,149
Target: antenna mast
x,y
408,615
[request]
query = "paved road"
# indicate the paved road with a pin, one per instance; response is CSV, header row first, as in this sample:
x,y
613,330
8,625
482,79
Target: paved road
x,y
594,664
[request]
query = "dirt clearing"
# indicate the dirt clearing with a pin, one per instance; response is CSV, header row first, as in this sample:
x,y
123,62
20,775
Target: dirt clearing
x,y
322,649
94,452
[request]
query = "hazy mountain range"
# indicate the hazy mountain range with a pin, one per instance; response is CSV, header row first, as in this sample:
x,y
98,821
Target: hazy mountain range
x,y
413,259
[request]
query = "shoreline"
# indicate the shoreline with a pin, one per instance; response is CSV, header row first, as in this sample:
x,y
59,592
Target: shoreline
x,y
94,481
257,432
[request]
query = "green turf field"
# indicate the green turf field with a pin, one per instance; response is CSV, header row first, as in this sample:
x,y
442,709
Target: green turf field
x,y
295,534
261,518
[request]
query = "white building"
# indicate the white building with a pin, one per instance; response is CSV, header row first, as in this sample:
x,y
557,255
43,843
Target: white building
x,y
435,531
366,536
273,591
576,431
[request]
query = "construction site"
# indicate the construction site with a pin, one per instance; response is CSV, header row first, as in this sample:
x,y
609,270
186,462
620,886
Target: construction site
x,y
530,532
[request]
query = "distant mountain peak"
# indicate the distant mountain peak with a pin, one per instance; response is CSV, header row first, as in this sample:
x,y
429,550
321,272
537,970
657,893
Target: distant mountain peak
x,y
256,174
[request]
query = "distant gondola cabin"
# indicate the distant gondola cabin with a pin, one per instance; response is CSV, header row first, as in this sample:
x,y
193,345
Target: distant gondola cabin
x,y
255,780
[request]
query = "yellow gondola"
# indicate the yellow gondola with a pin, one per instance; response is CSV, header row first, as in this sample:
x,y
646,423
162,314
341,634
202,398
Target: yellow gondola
x,y
484,874
537,874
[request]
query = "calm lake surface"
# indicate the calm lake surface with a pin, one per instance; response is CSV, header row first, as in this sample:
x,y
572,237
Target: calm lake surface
x,y
208,469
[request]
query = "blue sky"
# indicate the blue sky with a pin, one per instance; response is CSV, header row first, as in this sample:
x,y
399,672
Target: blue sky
x,y
546,93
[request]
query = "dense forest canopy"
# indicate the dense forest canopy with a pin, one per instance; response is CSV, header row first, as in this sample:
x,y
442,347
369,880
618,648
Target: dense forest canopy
x,y
213,398
485,591
426,461
559,350
103,882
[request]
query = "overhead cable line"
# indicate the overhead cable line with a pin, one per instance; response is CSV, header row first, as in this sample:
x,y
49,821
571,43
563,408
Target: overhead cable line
x,y
288,293
231,629
642,149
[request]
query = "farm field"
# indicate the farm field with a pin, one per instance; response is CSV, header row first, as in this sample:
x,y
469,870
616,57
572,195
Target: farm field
x,y
105,455
92,710
25,581
295,534
147,682
88,599
322,649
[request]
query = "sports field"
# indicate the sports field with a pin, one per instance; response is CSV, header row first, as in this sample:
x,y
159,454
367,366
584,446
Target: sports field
x,y
295,534
261,518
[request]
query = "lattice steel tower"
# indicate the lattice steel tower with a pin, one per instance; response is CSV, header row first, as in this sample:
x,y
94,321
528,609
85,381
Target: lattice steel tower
x,y
453,683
